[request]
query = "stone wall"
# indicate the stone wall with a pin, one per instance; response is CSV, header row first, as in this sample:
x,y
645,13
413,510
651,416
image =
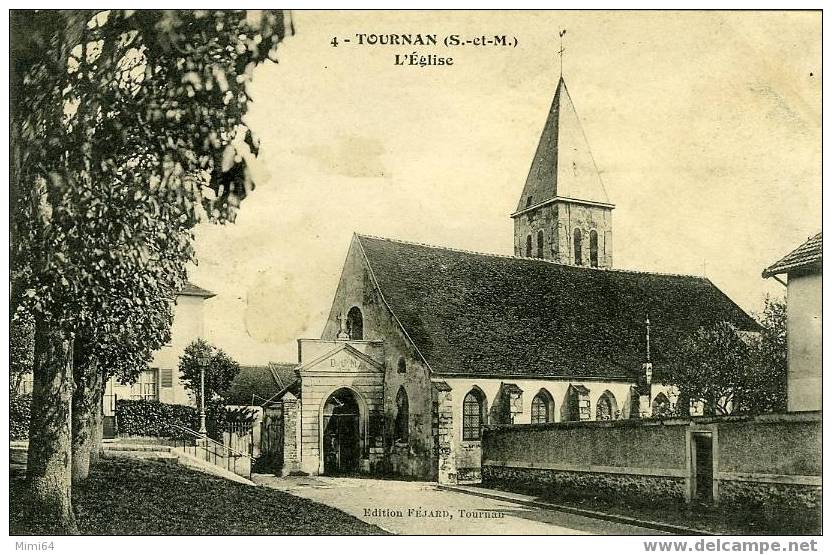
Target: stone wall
x,y
766,464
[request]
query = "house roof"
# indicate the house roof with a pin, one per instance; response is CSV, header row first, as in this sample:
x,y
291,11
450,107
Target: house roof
x,y
480,314
563,166
809,255
191,290
254,384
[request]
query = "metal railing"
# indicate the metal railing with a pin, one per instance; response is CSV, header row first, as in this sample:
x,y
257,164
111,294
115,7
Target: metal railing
x,y
209,450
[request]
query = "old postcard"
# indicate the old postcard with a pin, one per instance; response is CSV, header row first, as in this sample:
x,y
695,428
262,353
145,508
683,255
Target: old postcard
x,y
418,273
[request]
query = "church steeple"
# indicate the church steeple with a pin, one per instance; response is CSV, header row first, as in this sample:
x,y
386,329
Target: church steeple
x,y
564,213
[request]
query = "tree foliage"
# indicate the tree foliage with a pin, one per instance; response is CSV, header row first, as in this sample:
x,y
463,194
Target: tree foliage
x,y
21,349
733,372
131,132
219,372
767,388
713,365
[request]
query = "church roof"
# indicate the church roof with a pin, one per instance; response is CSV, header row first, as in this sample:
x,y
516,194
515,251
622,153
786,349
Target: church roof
x,y
480,314
563,166
806,256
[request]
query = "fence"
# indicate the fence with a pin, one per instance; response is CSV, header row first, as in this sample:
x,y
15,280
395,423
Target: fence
x,y
238,461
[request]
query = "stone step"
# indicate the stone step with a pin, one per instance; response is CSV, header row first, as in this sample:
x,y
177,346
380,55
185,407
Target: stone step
x,y
136,447
167,457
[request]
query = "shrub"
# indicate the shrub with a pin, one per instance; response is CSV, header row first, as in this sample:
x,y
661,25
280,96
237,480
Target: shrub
x,y
20,410
155,419
152,418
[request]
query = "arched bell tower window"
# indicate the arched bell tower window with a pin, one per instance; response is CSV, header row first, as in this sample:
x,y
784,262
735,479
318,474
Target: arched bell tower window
x,y
540,243
355,323
593,248
528,246
576,239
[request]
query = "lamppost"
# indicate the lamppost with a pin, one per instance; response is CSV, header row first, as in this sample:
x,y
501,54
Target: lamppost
x,y
204,361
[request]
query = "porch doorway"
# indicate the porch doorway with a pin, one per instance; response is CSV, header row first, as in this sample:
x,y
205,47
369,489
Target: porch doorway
x,y
342,433
702,455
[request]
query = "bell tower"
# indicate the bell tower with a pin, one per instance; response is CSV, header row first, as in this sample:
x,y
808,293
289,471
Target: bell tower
x,y
564,214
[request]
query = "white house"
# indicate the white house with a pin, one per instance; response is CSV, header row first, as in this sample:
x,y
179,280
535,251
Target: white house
x,y
804,270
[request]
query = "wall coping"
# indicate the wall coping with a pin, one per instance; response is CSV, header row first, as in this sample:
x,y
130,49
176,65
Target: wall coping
x,y
790,417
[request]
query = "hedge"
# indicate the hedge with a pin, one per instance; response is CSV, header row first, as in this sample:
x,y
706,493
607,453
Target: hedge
x,y
20,412
155,419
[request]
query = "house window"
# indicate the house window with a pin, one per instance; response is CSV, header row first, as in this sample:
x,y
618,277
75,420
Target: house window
x,y
402,416
576,239
593,248
472,415
355,323
401,366
543,408
528,246
606,407
145,387
540,244
166,377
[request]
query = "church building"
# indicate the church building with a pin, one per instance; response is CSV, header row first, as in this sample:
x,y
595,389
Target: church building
x,y
426,345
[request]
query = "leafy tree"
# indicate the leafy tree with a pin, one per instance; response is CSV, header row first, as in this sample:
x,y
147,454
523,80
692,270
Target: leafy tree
x,y
712,364
731,371
21,350
767,387
219,372
126,131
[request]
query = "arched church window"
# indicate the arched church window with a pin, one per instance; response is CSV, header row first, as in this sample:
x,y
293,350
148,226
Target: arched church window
x,y
540,243
402,416
593,248
472,415
355,323
576,239
543,408
401,366
606,407
528,246
661,406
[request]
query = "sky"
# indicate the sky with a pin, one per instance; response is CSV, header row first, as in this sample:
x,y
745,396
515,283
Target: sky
x,y
705,126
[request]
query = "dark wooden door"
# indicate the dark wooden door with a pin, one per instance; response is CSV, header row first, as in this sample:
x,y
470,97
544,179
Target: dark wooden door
x,y
341,444
704,467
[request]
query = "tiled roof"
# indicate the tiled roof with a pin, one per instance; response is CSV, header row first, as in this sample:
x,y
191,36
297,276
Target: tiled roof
x,y
192,290
563,165
254,384
807,255
471,313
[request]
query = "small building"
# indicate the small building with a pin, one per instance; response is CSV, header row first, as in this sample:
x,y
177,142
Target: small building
x,y
256,385
803,268
162,381
425,345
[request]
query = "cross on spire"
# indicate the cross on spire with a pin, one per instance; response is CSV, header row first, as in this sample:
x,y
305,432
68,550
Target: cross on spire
x,y
561,50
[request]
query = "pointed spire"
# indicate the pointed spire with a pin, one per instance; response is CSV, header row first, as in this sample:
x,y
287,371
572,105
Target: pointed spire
x,y
647,322
563,165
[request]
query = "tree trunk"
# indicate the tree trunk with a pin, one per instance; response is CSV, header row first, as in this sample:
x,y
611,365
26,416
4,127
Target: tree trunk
x,y
86,407
97,448
49,464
